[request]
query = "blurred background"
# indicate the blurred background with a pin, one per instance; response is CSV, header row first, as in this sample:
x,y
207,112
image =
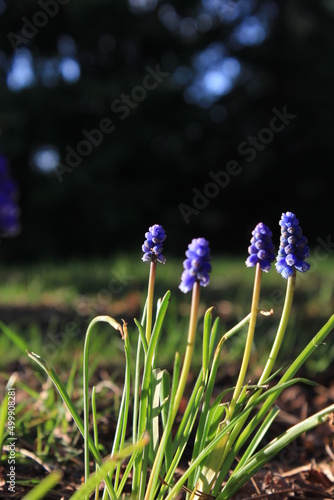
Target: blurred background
x,y
118,115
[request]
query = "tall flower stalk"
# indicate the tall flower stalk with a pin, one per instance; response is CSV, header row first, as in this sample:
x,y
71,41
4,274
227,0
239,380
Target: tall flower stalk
x,y
196,274
291,257
152,248
261,255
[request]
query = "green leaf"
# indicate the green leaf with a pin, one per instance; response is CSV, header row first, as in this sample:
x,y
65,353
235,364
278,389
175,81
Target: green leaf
x,y
68,402
142,335
156,408
258,437
206,340
95,479
3,419
241,476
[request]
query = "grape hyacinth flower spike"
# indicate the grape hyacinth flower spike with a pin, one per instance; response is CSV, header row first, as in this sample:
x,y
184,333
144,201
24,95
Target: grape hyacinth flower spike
x,y
293,248
197,265
152,248
261,250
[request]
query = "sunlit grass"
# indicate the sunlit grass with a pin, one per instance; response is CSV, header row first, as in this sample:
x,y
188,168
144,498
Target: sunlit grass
x,y
39,302
47,307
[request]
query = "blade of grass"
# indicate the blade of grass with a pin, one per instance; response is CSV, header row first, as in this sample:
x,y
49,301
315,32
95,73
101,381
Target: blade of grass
x,y
14,337
136,389
3,418
184,438
103,472
142,335
244,436
206,341
154,476
201,457
156,408
44,486
202,430
235,440
123,413
165,407
98,319
267,453
68,402
259,436
95,433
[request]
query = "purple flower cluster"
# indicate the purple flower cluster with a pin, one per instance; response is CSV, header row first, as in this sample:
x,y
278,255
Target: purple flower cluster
x,y
197,265
292,252
261,250
9,212
293,248
152,246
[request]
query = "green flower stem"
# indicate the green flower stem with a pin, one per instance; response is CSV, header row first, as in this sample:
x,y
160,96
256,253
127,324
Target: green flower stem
x,y
249,340
175,401
281,328
150,295
216,459
272,357
189,348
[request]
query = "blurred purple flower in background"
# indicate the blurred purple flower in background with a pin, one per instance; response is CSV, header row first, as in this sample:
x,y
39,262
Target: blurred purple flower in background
x,y
9,211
